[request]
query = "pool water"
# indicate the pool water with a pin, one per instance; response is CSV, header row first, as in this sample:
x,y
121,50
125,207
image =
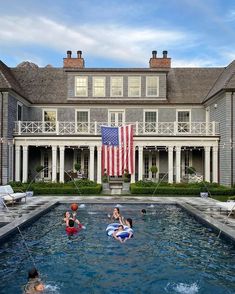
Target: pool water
x,y
170,253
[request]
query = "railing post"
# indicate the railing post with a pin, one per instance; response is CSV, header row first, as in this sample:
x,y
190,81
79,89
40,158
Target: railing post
x,y
95,127
175,127
136,128
213,128
19,127
57,128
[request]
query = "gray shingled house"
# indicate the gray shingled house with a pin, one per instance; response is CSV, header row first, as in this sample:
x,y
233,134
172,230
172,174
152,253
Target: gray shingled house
x,y
182,117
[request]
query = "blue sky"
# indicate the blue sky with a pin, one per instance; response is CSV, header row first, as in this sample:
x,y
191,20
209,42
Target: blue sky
x,y
118,33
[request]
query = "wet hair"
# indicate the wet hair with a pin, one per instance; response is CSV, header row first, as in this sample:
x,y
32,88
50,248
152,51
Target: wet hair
x,y
33,273
143,211
71,222
121,226
129,221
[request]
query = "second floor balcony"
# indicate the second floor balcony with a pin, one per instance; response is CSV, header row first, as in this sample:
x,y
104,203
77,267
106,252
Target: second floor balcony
x,y
59,128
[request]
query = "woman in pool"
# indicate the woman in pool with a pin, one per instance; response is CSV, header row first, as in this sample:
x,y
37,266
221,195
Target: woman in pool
x,y
34,284
116,216
128,223
68,216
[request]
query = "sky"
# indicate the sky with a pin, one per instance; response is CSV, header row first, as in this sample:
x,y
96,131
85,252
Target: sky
x,y
118,33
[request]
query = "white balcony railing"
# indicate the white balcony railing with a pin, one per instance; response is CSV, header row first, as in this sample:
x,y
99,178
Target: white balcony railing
x,y
94,128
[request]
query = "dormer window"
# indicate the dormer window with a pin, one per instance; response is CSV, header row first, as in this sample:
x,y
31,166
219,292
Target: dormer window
x,y
116,86
98,86
152,86
134,87
81,85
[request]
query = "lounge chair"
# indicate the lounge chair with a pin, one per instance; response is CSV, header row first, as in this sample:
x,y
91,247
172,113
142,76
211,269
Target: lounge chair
x,y
228,206
8,196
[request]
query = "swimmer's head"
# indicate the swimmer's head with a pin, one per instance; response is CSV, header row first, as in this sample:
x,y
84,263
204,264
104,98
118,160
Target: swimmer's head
x,y
116,210
129,220
120,227
143,211
67,214
33,273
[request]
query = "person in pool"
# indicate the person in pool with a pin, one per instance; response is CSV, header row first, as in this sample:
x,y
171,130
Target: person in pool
x,y
71,229
119,229
128,223
68,216
116,216
34,284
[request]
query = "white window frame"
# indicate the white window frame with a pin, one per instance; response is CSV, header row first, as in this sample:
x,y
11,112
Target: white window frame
x,y
111,86
21,105
116,110
157,79
177,121
83,130
129,78
49,109
75,85
144,116
93,86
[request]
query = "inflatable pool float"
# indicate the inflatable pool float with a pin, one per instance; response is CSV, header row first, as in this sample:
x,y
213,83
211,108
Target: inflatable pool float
x,y
111,228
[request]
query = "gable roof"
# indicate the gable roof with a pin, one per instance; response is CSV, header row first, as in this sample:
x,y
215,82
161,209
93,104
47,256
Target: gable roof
x,y
8,80
225,81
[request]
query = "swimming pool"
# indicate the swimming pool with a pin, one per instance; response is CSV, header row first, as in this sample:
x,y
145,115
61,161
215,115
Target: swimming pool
x,y
170,253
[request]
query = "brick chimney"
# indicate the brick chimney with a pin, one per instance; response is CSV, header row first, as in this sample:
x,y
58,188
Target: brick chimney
x,y
160,62
77,62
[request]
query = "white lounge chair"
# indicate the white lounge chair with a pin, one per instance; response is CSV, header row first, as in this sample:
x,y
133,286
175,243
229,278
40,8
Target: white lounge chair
x,y
8,196
228,206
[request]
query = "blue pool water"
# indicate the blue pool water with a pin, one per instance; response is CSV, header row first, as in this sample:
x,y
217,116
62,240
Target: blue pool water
x,y
170,253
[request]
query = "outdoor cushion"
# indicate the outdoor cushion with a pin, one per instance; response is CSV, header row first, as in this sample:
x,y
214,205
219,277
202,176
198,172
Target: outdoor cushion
x,y
14,196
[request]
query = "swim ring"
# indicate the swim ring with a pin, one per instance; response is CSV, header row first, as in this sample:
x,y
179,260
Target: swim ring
x,y
111,228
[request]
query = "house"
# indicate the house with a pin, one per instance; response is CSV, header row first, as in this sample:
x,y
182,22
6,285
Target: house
x,y
52,117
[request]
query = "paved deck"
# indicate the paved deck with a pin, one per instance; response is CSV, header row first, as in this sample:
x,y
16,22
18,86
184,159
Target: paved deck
x,y
206,210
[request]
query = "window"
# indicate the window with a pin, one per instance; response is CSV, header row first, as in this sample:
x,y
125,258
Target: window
x,y
82,117
183,118
150,121
116,86
134,86
98,86
19,111
46,165
81,86
116,118
49,119
152,86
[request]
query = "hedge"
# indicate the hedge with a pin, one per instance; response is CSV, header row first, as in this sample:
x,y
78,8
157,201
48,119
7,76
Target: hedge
x,y
80,187
177,190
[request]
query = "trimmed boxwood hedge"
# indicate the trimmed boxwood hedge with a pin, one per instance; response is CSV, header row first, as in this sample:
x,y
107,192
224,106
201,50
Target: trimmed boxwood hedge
x,y
80,187
151,188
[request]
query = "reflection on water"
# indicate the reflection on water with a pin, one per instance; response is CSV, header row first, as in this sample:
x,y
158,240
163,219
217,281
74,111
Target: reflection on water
x,y
169,253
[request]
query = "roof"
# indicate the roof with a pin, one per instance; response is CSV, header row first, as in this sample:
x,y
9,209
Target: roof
x,y
8,80
49,85
226,80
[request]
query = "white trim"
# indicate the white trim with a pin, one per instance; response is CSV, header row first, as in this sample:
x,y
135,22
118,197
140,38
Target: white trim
x,y
157,78
21,105
183,110
93,86
75,85
139,78
111,80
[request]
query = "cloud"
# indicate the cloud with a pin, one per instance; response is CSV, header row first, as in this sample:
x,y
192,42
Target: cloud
x,y
108,41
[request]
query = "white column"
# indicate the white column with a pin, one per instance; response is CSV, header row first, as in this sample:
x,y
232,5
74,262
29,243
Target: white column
x,y
207,163
178,164
140,161
91,163
215,164
170,164
54,161
150,164
25,164
17,163
133,175
61,164
99,171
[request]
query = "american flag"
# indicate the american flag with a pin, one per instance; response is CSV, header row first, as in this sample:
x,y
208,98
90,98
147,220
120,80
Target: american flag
x,y
117,150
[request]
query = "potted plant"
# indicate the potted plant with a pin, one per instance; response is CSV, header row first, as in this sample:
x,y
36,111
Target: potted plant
x,y
77,166
105,177
191,170
126,176
39,168
154,171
